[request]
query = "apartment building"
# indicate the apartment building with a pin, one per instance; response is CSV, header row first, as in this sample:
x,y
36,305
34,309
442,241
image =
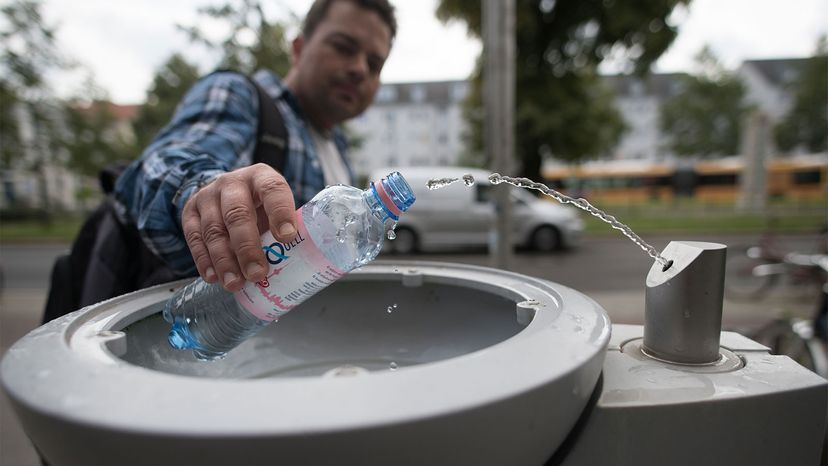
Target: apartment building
x,y
410,124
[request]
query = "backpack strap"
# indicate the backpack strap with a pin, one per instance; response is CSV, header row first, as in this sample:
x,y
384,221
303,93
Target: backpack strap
x,y
271,133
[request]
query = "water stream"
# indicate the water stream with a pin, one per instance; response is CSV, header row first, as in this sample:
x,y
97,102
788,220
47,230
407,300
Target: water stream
x,y
581,203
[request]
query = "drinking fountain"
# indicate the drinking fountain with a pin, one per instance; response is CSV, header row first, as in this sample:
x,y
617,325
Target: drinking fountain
x,y
414,363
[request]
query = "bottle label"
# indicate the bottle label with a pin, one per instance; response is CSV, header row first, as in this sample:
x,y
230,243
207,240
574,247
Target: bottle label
x,y
297,271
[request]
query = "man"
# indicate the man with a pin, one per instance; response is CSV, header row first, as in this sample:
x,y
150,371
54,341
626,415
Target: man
x,y
195,198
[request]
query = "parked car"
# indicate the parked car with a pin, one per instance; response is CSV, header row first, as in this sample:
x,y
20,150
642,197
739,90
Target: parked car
x,y
460,216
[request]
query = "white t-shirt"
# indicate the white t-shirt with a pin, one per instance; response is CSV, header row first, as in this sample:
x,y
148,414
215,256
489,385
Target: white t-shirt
x,y
333,167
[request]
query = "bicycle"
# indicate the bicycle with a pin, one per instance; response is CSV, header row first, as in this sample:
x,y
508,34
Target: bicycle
x,y
753,271
803,340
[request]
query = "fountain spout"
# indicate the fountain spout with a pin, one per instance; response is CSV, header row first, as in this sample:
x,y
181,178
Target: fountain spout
x,y
683,304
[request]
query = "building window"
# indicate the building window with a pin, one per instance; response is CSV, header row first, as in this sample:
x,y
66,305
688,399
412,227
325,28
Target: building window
x,y
637,88
418,114
387,93
418,93
724,179
459,91
807,177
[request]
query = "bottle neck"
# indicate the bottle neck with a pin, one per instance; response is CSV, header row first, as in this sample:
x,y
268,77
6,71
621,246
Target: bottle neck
x,y
381,203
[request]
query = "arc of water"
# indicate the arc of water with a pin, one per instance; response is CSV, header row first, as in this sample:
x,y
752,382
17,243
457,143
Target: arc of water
x,y
581,203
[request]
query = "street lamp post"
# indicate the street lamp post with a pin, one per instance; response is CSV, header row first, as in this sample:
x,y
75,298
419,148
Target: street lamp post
x,y
499,100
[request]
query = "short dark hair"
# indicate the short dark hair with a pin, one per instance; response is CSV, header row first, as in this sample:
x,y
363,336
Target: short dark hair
x,y
319,9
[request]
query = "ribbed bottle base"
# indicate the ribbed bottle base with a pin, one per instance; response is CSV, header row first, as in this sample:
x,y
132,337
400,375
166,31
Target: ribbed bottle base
x,y
180,338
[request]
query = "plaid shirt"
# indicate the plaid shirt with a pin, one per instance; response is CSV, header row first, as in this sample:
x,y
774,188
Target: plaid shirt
x,y
212,132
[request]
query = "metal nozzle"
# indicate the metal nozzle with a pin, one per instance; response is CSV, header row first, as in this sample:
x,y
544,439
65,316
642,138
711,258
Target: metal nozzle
x,y
683,303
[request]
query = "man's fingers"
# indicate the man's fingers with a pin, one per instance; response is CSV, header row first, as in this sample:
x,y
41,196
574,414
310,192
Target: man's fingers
x,y
215,236
277,200
221,225
191,224
239,216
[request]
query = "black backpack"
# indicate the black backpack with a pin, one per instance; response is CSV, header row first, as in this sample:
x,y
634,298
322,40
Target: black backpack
x,y
108,257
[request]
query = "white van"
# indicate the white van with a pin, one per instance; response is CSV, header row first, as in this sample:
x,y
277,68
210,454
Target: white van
x,y
459,216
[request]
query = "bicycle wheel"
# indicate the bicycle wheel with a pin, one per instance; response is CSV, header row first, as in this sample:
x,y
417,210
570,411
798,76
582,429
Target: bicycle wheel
x,y
742,283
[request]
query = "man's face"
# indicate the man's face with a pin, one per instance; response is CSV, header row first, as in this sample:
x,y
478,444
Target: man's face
x,y
336,70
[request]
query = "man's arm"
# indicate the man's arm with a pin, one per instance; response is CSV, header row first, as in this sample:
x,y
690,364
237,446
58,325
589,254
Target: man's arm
x,y
213,132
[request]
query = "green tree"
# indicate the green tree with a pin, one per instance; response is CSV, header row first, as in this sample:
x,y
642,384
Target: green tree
x,y
562,106
253,42
94,136
11,144
806,124
30,119
705,118
171,82
97,140
37,128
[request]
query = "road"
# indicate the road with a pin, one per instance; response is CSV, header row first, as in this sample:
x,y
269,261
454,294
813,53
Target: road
x,y
609,269
612,271
604,263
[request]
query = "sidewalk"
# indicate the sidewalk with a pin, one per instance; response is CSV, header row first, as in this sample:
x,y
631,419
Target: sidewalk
x,y
20,312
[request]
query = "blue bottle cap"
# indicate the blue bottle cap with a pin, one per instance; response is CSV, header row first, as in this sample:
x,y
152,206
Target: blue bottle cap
x,y
394,194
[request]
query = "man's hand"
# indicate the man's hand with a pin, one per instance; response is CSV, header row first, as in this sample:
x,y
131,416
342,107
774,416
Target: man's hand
x,y
222,224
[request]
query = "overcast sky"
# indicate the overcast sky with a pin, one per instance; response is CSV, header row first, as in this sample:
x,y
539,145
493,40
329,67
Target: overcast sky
x,y
124,41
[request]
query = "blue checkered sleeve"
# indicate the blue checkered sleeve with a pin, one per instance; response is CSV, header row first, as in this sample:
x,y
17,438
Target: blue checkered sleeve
x,y
212,132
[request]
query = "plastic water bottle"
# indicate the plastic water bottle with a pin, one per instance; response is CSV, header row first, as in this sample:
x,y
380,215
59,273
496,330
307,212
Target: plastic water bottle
x,y
340,229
